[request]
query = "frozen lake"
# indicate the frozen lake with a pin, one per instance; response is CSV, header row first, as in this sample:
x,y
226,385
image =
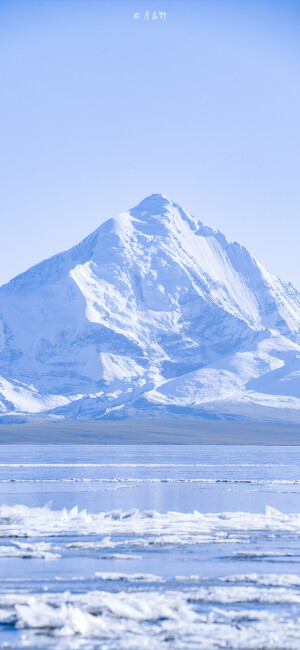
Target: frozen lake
x,y
133,547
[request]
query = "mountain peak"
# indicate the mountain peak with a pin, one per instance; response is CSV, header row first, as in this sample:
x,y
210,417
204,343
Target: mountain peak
x,y
162,209
153,203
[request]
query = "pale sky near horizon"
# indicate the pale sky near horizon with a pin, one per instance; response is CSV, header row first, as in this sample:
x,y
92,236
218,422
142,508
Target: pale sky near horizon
x,y
100,109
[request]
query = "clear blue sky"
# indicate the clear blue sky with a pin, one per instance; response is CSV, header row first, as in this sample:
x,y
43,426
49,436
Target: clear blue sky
x,y
99,110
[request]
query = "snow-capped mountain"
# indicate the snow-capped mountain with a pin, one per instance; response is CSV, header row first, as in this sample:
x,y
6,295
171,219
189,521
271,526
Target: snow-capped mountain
x,y
153,313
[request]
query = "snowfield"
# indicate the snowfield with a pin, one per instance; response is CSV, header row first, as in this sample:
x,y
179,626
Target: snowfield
x,y
153,313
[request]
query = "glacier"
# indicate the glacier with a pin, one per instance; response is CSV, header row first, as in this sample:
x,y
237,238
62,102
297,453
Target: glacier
x,y
153,314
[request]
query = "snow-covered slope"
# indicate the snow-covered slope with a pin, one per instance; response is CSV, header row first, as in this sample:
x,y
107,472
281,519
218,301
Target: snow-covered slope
x,y
154,312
